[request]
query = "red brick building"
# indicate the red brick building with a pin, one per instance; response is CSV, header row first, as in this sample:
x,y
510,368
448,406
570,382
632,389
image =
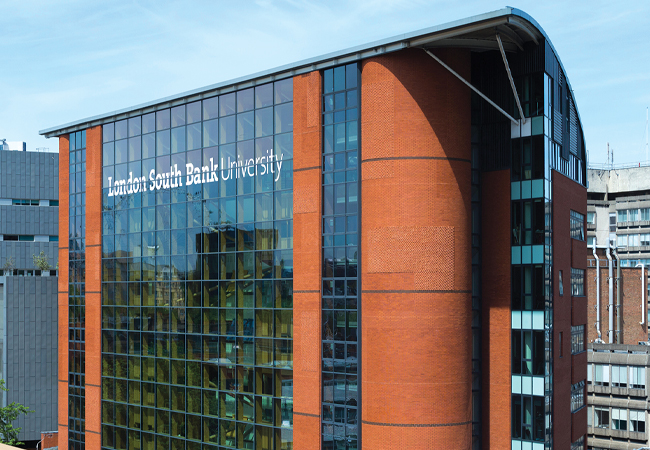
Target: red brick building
x,y
389,253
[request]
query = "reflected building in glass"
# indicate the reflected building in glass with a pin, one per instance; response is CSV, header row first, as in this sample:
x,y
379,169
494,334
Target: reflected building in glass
x,y
358,251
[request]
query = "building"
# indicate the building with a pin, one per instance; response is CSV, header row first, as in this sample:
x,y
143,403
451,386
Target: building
x,y
29,217
317,256
619,211
617,377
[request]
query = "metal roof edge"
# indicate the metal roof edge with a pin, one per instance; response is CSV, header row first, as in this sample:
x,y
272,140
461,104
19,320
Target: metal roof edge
x,y
350,54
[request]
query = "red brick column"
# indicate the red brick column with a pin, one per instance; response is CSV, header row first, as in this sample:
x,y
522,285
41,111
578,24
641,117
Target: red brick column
x,y
415,252
307,274
64,220
495,311
93,286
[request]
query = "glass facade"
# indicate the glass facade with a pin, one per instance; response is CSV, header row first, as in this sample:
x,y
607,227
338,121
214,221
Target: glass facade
x,y
76,291
340,293
197,274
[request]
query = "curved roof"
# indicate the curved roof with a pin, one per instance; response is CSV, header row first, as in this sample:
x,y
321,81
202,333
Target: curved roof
x,y
477,33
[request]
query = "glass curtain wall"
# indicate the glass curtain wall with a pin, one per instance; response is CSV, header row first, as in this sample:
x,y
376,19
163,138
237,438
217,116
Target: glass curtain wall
x,y
197,275
76,291
340,370
532,294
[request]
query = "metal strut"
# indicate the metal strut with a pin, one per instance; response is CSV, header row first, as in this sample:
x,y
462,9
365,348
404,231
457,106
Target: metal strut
x,y
512,83
482,95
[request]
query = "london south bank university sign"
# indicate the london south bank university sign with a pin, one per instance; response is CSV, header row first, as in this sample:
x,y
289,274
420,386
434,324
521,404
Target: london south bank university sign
x,y
230,169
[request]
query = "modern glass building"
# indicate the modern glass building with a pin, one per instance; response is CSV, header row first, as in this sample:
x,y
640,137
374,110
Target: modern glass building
x,y
370,249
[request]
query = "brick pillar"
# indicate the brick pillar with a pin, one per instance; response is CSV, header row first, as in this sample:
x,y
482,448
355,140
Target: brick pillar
x,y
64,220
415,253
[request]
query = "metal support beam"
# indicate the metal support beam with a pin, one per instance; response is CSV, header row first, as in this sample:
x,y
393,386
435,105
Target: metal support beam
x,y
482,95
512,83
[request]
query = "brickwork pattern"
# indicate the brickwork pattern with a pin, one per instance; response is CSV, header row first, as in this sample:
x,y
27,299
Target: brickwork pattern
x,y
64,205
416,346
633,330
307,261
495,310
93,281
567,196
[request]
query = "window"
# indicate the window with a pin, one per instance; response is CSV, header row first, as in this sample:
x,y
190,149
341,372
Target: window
x,y
24,202
644,239
612,221
577,339
591,240
54,203
577,226
633,240
561,284
645,214
54,239
577,396
632,215
601,417
619,376
10,237
637,377
578,444
622,215
601,375
619,419
591,217
621,241
577,282
590,373
26,237
637,421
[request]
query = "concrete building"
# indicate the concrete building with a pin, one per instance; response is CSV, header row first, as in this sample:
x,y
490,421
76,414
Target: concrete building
x,y
361,250
29,193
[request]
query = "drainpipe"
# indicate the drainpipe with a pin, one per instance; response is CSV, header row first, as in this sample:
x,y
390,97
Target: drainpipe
x,y
642,293
619,330
597,292
610,279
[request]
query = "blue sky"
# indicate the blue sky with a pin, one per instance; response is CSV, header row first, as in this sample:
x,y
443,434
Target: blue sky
x,y
71,59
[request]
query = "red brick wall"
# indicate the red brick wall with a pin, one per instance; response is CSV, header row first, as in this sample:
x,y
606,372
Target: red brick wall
x,y
630,311
567,253
64,204
93,285
415,252
307,261
49,440
495,311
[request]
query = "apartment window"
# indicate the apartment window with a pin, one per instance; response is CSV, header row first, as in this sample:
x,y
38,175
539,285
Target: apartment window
x,y
619,419
577,226
591,240
637,377
577,339
601,375
578,444
633,240
577,282
622,215
644,239
612,221
619,376
632,215
645,214
577,396
637,420
601,417
621,241
591,217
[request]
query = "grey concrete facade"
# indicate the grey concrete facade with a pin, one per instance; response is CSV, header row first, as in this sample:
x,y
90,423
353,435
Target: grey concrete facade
x,y
28,313
609,395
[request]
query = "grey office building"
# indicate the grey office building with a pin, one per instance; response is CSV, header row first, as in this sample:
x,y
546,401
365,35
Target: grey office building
x,y
28,295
